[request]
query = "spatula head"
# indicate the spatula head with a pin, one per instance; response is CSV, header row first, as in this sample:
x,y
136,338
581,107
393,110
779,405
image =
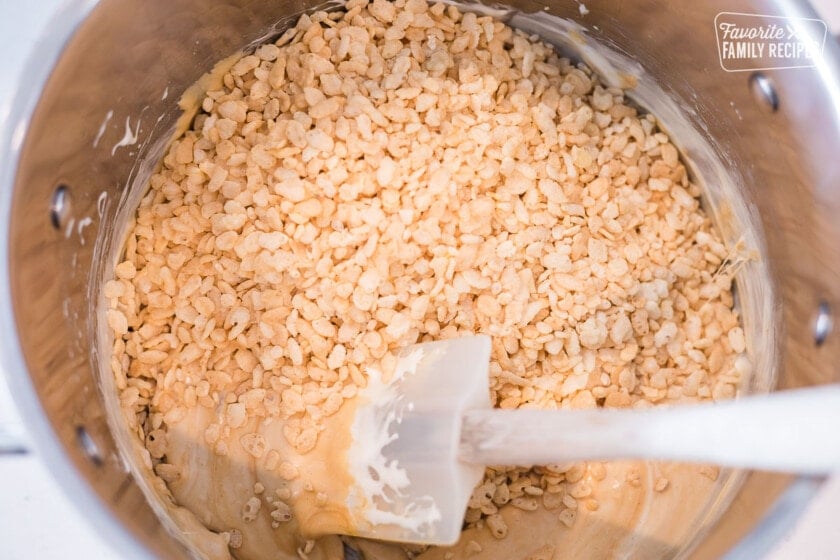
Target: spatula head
x,y
409,484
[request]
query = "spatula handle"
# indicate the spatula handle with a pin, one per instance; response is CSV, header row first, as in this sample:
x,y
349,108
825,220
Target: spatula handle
x,y
794,431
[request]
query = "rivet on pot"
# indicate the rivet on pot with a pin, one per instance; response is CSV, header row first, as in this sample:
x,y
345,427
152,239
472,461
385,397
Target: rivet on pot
x,y
89,447
60,206
764,92
823,323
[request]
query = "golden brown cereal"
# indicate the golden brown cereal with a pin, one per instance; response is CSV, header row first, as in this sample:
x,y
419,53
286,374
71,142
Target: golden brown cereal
x,y
661,484
250,509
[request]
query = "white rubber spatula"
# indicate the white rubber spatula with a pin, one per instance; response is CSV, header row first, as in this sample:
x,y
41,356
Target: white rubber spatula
x,y
435,432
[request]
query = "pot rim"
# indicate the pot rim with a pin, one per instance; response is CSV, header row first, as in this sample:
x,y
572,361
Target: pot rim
x,y
34,75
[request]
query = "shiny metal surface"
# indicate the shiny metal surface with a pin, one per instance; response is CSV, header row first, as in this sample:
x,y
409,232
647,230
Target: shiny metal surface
x,y
134,59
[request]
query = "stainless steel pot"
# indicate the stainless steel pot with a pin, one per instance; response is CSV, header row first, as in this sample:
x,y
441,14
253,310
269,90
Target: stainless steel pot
x,y
99,98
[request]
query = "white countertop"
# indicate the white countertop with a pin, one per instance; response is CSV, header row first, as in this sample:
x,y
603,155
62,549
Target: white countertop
x,y
37,521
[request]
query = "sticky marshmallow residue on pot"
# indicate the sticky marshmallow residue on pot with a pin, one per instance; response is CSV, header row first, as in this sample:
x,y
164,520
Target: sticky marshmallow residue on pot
x,y
129,136
102,127
379,481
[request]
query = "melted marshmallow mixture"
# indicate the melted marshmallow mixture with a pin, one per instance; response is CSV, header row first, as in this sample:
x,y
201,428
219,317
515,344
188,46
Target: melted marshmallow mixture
x,y
397,173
